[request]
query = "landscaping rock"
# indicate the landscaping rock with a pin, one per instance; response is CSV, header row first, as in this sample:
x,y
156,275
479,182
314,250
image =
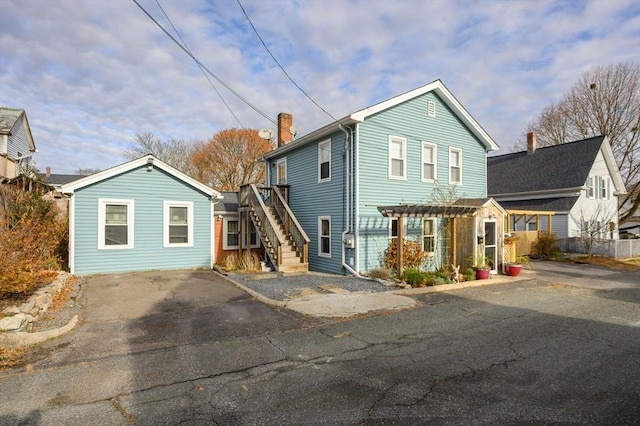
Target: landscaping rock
x,y
11,310
27,308
17,322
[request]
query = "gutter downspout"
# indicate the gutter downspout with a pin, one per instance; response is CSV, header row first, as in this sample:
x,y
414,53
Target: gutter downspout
x,y
347,224
213,201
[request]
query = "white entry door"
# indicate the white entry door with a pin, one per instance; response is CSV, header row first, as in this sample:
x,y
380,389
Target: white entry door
x,y
491,244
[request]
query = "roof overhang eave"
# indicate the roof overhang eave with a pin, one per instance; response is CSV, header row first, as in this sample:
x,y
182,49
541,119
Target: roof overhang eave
x,y
323,131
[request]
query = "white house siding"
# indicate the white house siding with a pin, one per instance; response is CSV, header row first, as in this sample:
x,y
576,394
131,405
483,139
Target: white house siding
x,y
410,120
587,207
148,190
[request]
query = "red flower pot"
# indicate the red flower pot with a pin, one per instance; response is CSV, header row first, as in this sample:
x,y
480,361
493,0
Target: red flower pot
x,y
482,274
513,270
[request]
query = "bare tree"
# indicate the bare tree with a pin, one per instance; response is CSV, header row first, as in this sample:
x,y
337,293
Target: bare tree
x,y
604,101
175,152
599,225
86,172
230,159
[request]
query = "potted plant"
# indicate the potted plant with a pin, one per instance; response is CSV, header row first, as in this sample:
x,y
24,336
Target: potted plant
x,y
482,268
513,269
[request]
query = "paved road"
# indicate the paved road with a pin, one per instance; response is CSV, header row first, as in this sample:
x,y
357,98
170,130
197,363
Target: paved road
x,y
200,352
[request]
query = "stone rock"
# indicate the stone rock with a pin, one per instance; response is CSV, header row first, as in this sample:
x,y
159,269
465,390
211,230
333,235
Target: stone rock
x,y
11,310
18,322
27,307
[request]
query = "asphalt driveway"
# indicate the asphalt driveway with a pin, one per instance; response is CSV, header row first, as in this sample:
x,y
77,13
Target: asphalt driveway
x,y
137,312
186,347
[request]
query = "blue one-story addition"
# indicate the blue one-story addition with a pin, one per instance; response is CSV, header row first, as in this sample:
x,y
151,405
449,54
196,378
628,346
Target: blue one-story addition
x,y
140,215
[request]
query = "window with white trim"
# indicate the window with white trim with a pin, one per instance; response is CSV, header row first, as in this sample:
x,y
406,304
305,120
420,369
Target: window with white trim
x,y
590,188
429,155
455,166
397,158
429,235
231,234
115,224
281,171
253,235
604,188
324,161
431,109
393,228
178,224
324,236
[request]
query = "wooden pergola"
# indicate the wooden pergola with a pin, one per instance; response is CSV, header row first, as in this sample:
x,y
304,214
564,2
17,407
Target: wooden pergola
x,y
403,211
527,216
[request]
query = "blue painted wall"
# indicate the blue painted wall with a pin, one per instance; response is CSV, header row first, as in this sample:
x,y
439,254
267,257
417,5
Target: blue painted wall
x,y
148,190
309,199
409,120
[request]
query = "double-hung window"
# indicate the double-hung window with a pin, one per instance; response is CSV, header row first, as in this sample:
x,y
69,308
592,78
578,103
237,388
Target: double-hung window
x,y
281,171
590,187
178,224
604,188
324,236
324,161
397,158
115,224
455,166
429,154
429,235
231,233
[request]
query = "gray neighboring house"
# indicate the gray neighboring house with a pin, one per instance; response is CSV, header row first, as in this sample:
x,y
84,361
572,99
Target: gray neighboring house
x,y
573,182
55,182
16,142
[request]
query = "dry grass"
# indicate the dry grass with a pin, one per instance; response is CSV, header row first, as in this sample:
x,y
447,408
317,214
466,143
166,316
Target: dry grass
x,y
608,262
244,262
12,357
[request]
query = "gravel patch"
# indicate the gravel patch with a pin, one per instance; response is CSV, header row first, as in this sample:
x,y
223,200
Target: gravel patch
x,y
278,287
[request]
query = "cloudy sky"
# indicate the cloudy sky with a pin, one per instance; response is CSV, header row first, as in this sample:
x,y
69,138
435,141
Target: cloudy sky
x,y
91,74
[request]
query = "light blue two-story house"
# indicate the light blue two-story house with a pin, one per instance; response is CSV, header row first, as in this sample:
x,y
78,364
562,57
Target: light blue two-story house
x,y
335,197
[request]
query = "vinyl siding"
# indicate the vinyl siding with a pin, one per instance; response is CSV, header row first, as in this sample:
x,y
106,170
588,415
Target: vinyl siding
x,y
309,199
410,121
17,141
148,190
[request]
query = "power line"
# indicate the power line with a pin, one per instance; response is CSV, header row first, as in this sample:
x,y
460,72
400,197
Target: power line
x,y
281,67
201,70
229,88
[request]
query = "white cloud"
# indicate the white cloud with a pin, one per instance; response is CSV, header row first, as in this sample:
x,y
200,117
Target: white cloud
x,y
92,74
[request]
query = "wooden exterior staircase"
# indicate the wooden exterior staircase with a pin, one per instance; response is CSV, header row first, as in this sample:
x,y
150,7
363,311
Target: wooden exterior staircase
x,y
285,242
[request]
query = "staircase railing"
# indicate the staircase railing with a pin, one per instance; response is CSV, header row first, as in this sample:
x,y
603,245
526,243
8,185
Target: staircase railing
x,y
253,198
292,228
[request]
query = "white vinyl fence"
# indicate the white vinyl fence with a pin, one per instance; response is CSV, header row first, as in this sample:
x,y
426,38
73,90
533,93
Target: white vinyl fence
x,y
617,249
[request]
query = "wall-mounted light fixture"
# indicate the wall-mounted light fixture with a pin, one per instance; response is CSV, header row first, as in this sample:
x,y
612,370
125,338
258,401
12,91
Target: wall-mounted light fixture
x,y
149,164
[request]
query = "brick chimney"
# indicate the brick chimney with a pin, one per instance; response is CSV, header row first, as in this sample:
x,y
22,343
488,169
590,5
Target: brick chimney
x,y
531,142
285,121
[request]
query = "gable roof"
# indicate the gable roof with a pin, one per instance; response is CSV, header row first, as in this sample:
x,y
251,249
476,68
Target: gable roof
x,y
229,203
134,164
561,204
8,118
359,116
58,179
551,168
